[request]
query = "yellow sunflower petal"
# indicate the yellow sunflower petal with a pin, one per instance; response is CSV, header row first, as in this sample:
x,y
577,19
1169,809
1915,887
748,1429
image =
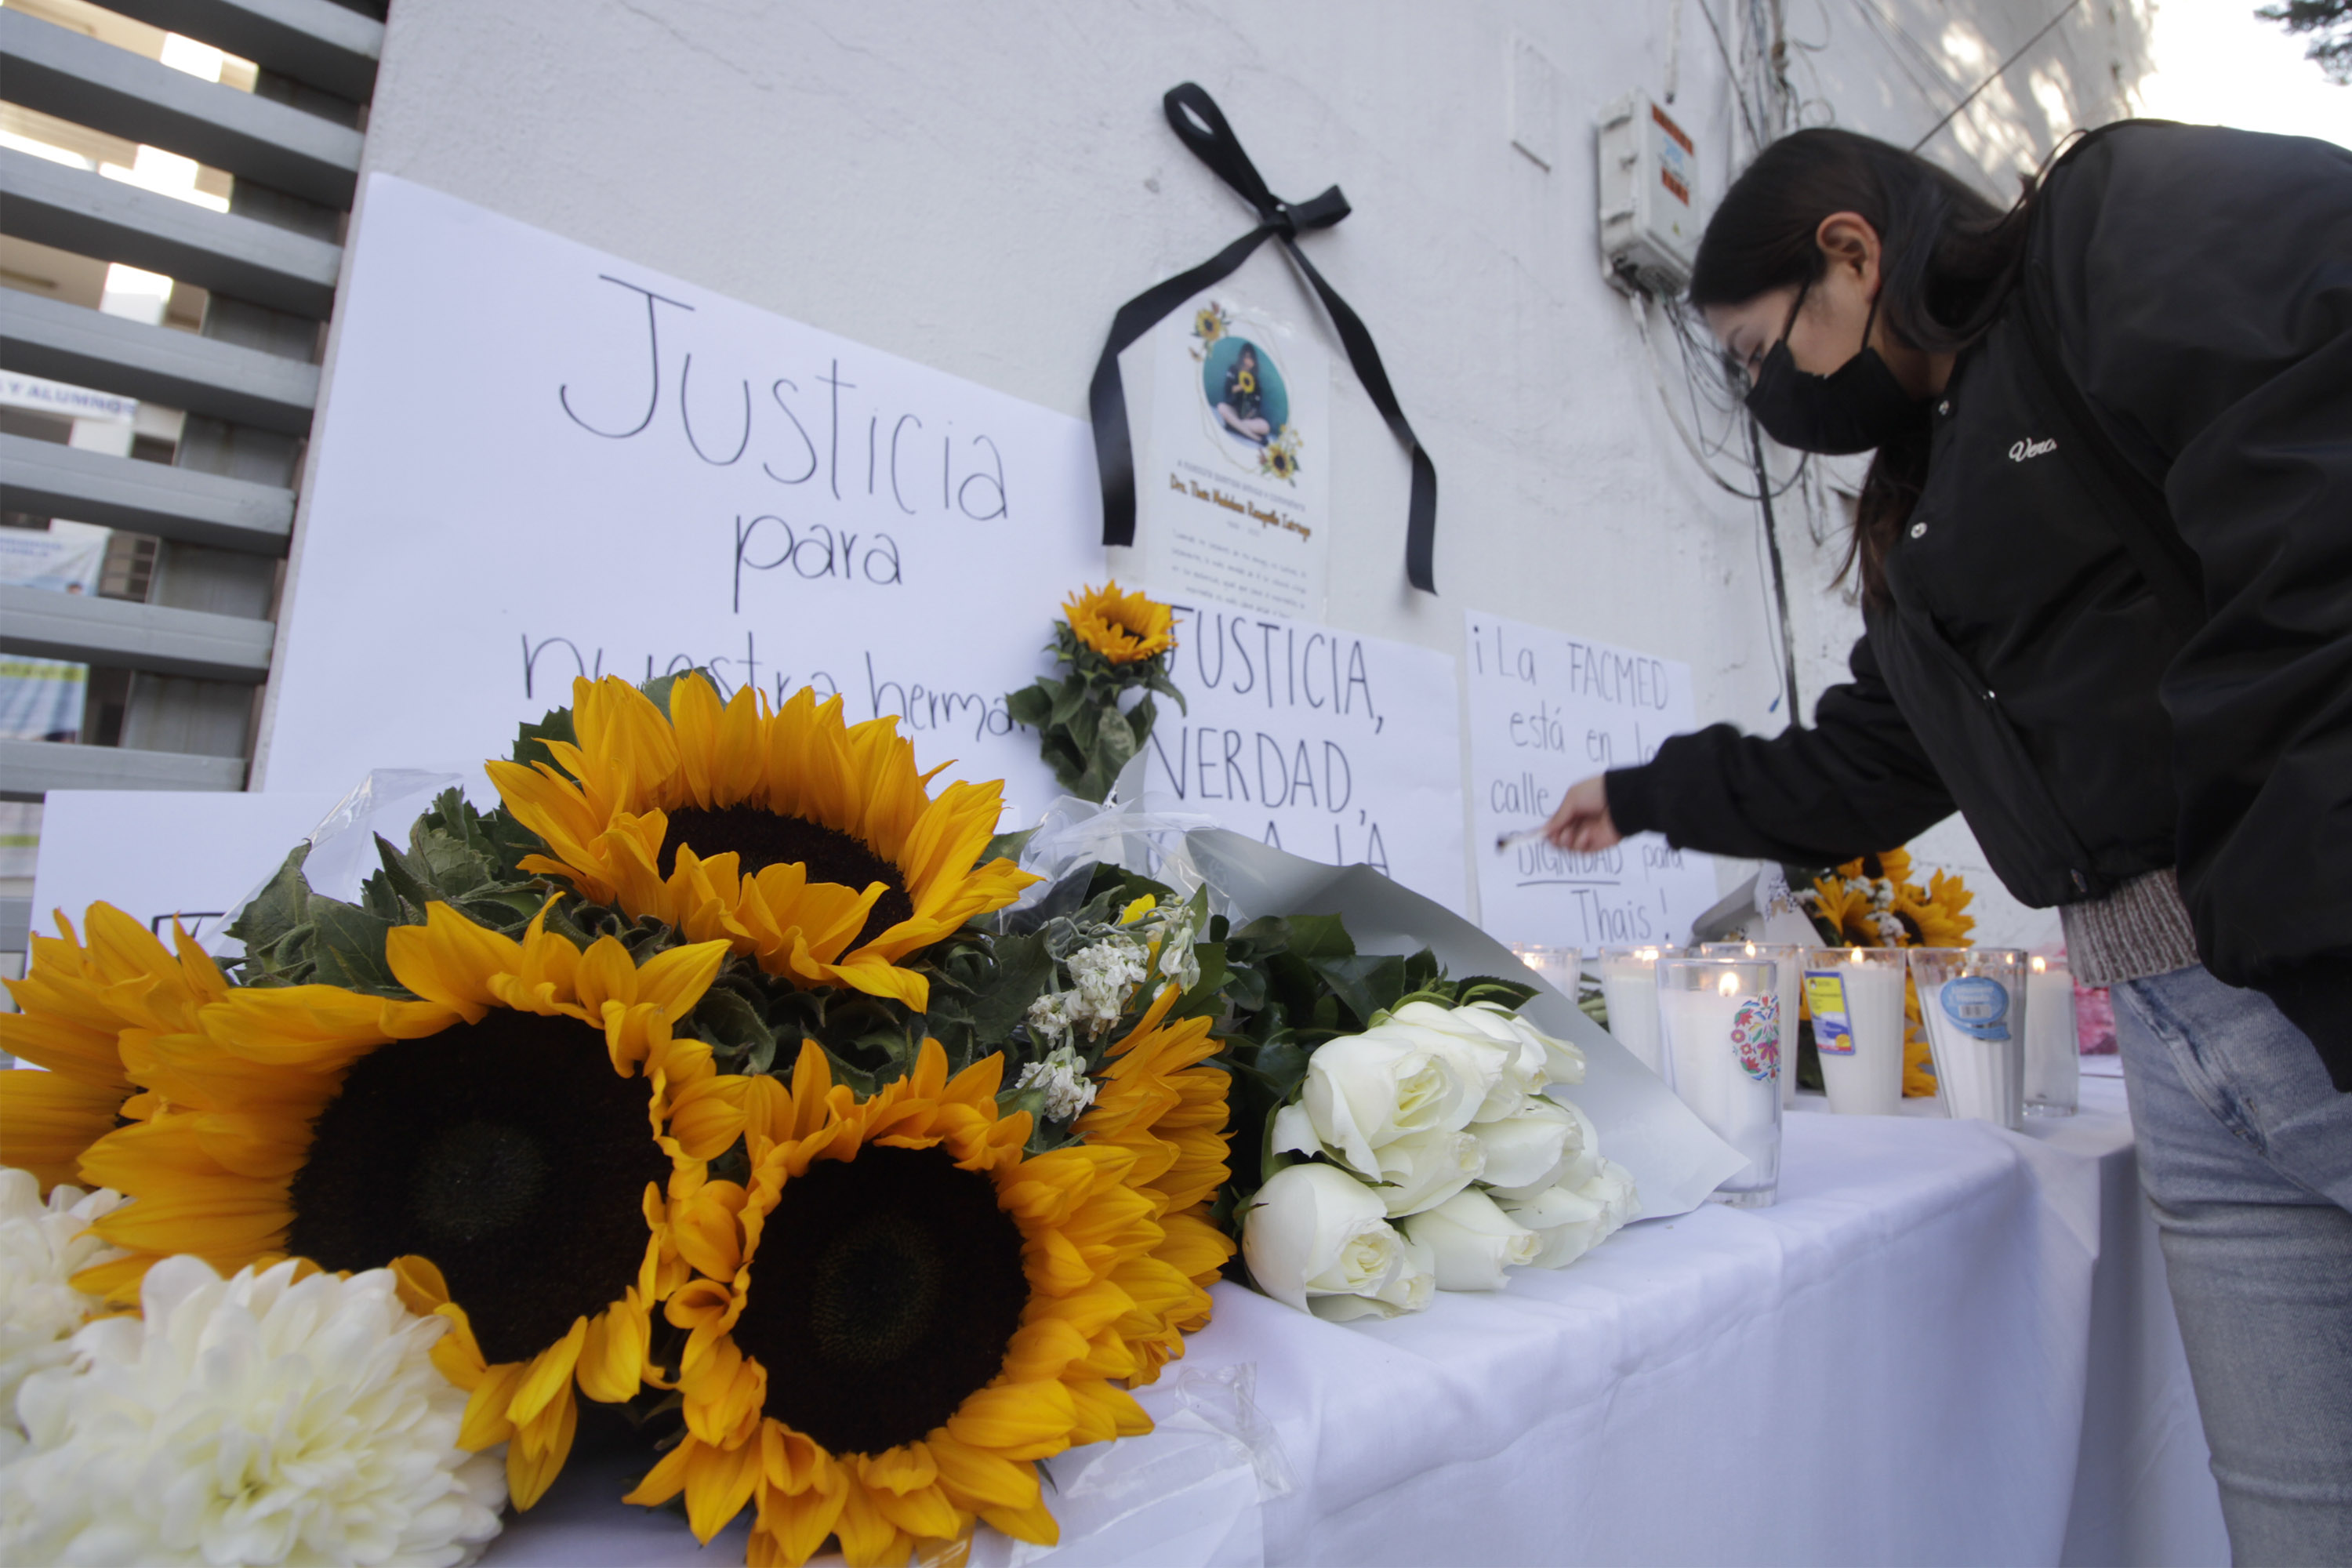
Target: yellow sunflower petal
x,y
536,1453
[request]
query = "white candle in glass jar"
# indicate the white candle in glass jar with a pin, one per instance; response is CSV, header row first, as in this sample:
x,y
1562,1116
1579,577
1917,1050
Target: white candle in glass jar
x,y
1789,960
1856,996
1722,1037
1628,988
2054,1063
1973,1000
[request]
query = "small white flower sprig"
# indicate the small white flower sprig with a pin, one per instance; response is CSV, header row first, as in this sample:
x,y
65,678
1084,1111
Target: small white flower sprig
x,y
1423,1154
1107,966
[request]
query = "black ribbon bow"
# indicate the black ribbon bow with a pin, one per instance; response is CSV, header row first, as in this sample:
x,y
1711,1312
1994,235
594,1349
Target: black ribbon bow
x,y
1202,126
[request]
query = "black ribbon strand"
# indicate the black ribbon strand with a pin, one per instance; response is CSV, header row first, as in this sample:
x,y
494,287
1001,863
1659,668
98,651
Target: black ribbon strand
x,y
1202,126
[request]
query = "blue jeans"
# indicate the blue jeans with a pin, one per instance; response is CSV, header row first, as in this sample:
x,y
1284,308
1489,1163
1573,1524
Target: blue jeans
x,y
2245,1152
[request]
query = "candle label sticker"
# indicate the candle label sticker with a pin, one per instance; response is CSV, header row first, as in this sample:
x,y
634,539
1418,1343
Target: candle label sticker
x,y
1978,1006
1825,999
1756,1035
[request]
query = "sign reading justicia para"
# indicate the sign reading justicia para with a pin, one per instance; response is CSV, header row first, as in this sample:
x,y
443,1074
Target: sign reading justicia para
x,y
540,461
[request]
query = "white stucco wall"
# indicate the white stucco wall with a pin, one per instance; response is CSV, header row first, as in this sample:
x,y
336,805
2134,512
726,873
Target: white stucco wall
x,y
978,187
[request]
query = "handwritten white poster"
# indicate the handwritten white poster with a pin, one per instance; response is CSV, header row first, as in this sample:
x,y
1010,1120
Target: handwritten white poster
x,y
1341,748
1547,709
1230,486
159,854
539,461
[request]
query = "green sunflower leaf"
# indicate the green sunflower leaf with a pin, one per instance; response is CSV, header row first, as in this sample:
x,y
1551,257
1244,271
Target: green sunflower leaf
x,y
531,740
281,908
347,948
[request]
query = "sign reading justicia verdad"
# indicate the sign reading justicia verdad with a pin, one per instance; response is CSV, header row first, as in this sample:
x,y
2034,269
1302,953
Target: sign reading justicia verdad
x,y
1335,746
539,461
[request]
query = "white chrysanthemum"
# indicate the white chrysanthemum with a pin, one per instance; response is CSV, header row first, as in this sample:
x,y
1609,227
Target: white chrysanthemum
x,y
42,1247
1062,1076
254,1420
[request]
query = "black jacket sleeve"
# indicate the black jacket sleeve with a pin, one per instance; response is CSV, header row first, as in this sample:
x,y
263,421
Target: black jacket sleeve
x,y
1854,783
2202,280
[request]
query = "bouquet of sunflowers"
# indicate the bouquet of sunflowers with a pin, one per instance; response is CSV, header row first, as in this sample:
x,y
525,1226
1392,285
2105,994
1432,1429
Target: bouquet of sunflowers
x,y
722,1073
1873,902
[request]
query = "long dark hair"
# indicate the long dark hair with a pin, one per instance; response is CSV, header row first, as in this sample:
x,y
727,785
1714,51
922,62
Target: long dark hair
x,y
1948,259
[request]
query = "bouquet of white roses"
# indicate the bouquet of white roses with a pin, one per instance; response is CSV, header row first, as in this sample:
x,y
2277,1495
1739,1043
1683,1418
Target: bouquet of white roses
x,y
1424,1154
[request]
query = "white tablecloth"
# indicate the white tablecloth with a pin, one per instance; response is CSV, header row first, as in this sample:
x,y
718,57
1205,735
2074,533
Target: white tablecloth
x,y
1945,1343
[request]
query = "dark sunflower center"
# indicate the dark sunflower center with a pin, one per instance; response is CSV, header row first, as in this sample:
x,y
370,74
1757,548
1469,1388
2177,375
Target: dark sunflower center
x,y
509,1152
764,839
887,1289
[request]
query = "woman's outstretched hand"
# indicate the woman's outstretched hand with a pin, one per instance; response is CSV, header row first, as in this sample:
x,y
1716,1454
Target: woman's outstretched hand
x,y
1582,823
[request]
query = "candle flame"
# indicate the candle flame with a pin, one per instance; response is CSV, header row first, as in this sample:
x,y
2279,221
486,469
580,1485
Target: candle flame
x,y
1751,949
1856,955
2041,965
1727,984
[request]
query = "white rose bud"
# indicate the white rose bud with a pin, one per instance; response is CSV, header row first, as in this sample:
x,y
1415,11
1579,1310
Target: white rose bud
x,y
1472,1241
1314,1230
1364,1090
1563,1063
1527,1148
1572,1220
1409,1292
1526,1062
1578,1161
1421,1170
1480,1063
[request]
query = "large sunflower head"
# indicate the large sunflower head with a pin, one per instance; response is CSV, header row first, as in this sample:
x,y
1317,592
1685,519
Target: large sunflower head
x,y
1935,916
518,1125
902,1310
1846,909
76,1005
1887,866
813,845
1158,1098
1124,628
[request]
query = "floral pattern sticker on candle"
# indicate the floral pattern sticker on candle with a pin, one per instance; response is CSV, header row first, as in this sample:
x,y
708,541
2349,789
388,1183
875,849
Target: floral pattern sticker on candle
x,y
1756,1035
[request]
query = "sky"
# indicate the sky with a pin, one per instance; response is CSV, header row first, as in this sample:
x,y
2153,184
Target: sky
x,y
2218,63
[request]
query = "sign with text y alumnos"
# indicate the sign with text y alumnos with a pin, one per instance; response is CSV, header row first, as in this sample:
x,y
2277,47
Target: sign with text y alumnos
x,y
1335,746
1547,709
539,461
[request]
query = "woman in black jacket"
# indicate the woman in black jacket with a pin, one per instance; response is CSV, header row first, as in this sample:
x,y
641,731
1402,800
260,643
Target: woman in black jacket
x,y
2105,559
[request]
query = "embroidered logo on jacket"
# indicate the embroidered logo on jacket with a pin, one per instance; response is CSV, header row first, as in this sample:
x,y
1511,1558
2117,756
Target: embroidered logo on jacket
x,y
2028,447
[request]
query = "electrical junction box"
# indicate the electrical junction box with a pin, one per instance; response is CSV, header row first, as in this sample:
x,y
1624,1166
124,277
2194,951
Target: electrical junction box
x,y
1649,197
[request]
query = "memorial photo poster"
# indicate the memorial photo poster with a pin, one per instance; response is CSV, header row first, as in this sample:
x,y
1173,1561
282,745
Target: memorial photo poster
x,y
1232,477
1547,709
1335,746
539,461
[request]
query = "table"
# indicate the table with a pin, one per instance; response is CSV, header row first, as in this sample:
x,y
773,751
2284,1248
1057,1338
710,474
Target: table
x,y
1945,1343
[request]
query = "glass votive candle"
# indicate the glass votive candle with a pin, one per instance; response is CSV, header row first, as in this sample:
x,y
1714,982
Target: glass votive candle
x,y
1628,988
1856,996
1788,961
1973,1000
1557,966
2053,1061
1720,1020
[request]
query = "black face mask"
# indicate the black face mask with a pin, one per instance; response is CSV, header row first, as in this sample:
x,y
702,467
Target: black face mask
x,y
1857,407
